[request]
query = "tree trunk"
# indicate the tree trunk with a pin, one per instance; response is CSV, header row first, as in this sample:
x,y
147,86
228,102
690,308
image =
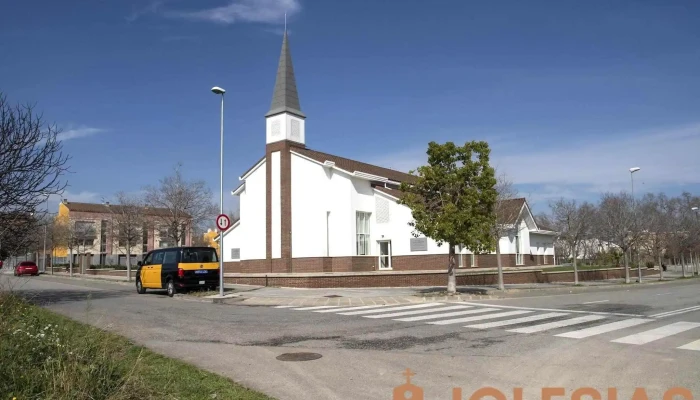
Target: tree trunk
x,y
70,262
499,263
627,267
451,277
683,264
661,269
639,267
128,260
575,266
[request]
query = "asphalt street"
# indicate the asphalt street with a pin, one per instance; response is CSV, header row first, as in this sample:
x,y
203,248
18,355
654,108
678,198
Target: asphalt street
x,y
646,337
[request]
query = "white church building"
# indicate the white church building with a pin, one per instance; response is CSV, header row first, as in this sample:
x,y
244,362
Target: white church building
x,y
303,211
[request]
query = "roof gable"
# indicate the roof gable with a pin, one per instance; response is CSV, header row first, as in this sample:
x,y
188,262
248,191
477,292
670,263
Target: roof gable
x,y
353,165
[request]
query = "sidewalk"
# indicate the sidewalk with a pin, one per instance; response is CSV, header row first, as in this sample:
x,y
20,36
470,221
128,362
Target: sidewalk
x,y
268,296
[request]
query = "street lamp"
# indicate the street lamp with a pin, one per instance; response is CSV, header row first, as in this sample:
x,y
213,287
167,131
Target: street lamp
x,y
697,218
639,266
632,171
219,91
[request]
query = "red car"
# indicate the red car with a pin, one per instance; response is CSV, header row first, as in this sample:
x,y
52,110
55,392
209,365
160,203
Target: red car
x,y
26,268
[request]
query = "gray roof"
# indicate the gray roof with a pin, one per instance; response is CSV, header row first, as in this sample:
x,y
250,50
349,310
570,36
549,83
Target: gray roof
x,y
285,97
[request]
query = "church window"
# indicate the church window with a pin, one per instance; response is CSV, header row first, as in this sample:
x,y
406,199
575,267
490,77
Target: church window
x,y
362,229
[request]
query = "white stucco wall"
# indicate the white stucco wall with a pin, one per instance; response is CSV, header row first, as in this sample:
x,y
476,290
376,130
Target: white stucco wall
x,y
253,216
232,240
311,189
275,199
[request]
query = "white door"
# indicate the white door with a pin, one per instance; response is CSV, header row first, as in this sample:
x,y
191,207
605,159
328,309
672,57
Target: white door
x,y
385,254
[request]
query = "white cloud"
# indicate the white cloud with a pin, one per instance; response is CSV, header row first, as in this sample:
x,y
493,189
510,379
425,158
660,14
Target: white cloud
x,y
266,11
151,8
77,133
584,164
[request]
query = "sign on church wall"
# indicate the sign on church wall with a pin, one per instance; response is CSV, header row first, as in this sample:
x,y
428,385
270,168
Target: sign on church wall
x,y
419,244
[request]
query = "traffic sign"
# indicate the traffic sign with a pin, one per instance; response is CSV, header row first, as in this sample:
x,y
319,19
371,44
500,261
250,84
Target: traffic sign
x,y
223,222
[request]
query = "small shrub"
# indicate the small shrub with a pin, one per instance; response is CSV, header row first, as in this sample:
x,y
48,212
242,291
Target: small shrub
x,y
650,264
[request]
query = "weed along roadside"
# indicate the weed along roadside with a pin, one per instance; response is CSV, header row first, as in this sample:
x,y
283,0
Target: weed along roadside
x,y
44,355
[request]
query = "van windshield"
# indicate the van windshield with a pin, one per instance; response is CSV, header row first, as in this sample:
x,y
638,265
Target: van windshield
x,y
201,255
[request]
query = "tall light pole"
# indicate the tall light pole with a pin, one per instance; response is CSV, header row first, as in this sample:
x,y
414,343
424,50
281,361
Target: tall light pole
x,y
697,218
639,265
45,228
220,91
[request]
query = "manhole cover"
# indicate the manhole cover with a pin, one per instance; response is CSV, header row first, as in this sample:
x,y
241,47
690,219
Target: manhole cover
x,y
333,295
299,356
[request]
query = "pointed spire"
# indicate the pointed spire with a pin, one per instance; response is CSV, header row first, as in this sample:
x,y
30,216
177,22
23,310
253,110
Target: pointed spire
x,y
285,97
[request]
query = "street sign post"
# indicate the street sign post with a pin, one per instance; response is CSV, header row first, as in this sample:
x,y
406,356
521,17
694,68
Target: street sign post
x,y
223,222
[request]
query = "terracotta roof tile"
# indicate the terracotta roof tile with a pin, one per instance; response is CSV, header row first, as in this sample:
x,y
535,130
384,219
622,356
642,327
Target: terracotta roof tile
x,y
107,209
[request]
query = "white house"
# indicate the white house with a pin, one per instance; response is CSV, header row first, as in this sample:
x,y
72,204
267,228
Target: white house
x,y
305,211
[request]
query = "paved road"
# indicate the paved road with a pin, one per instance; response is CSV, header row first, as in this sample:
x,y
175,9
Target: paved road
x,y
645,337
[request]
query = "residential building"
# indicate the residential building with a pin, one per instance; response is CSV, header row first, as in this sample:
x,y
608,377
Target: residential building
x,y
95,233
305,211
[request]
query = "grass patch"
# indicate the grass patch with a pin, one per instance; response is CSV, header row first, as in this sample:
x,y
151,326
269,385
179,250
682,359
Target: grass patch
x,y
47,356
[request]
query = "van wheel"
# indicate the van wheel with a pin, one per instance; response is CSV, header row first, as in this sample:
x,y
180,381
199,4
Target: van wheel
x,y
170,287
139,287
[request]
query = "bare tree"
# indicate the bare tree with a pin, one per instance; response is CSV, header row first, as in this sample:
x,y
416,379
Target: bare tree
x,y
617,222
573,222
32,165
188,203
128,223
507,211
82,235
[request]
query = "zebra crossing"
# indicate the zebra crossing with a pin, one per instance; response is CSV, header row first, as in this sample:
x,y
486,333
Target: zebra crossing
x,y
569,324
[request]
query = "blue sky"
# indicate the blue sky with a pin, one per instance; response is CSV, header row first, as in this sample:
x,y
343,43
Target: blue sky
x,y
569,93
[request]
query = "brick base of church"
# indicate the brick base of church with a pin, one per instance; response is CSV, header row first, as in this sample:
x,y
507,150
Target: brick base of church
x,y
369,263
471,277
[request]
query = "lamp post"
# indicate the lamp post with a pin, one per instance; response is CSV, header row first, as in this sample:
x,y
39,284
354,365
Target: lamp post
x,y
219,91
697,218
639,266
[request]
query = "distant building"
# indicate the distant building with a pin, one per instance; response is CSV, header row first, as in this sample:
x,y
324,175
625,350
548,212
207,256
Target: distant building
x,y
100,242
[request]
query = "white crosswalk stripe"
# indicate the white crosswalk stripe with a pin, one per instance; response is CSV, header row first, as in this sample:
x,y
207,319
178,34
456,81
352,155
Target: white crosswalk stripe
x,y
557,324
479,317
515,321
353,308
691,346
422,305
597,330
658,333
413,312
313,308
445,315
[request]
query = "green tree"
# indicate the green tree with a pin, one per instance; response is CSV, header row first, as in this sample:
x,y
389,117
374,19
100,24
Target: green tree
x,y
453,199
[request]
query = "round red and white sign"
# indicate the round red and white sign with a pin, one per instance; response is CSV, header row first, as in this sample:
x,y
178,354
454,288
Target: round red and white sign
x,y
223,222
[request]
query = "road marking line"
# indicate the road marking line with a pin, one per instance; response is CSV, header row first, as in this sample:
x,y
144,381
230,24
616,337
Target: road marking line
x,y
658,333
479,317
422,305
551,309
313,308
557,324
663,294
286,306
450,314
402,313
691,346
353,308
597,301
676,312
516,321
597,330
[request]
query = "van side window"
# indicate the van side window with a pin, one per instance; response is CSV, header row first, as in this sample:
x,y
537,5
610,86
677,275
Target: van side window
x,y
158,257
170,257
149,259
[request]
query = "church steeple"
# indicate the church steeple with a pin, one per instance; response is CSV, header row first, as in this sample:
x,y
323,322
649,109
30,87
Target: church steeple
x,y
285,121
285,97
